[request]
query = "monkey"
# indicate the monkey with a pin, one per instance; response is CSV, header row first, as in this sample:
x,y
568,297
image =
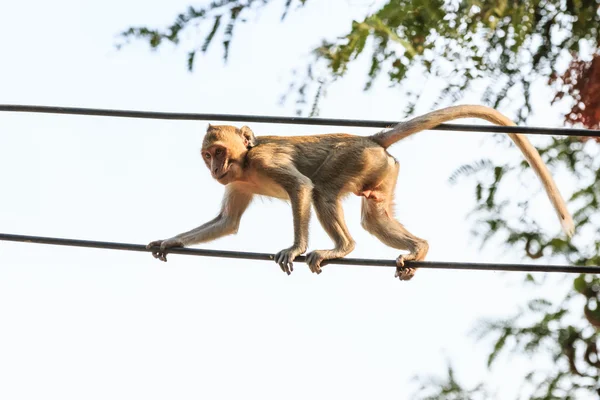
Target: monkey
x,y
320,170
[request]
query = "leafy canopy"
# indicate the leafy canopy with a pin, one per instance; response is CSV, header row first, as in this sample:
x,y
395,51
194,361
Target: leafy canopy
x,y
508,44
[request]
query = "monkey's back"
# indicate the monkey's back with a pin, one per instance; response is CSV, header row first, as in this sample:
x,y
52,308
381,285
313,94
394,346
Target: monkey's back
x,y
338,161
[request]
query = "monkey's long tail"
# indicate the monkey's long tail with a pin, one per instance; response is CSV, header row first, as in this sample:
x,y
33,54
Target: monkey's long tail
x,y
430,120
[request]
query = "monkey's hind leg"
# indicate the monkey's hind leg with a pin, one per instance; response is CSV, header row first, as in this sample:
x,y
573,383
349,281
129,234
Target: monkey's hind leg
x,y
377,219
331,215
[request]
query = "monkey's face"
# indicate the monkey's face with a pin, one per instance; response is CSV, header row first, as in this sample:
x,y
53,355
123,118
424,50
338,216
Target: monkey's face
x,y
224,149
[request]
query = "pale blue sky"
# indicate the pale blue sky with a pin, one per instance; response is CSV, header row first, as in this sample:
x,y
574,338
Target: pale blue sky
x,y
80,323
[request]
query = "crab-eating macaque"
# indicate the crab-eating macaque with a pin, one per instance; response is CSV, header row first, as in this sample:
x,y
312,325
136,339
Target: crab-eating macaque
x,y
320,170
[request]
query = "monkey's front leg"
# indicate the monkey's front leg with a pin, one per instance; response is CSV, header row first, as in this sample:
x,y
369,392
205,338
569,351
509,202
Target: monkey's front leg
x,y
211,230
235,202
300,193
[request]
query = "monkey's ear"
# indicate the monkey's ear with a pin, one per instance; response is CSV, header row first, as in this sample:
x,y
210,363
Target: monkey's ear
x,y
248,135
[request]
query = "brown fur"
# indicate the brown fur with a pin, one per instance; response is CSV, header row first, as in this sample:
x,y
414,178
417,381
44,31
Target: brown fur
x,y
320,170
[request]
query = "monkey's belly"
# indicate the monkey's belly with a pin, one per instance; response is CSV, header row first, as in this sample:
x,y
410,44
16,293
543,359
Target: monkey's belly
x,y
272,191
265,187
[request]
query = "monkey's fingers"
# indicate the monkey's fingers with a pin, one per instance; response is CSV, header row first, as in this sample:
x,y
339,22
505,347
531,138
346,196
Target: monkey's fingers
x,y
403,273
286,267
166,244
314,262
285,260
162,256
155,243
400,262
278,260
316,268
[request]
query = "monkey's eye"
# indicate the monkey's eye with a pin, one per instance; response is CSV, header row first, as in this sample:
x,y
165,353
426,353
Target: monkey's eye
x,y
218,152
207,156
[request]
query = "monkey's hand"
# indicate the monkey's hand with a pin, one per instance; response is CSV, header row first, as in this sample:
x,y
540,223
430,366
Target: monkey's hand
x,y
163,245
404,273
286,257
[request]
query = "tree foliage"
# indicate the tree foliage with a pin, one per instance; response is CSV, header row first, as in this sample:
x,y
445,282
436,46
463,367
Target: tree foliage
x,y
570,348
448,389
581,81
507,46
224,15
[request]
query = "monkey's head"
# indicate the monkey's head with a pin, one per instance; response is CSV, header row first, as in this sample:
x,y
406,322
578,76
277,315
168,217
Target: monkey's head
x,y
224,149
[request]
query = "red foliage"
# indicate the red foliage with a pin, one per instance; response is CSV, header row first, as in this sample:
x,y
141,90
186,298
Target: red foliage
x,y
581,81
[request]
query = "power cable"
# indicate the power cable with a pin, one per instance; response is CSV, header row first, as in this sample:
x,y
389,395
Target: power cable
x,y
574,269
289,120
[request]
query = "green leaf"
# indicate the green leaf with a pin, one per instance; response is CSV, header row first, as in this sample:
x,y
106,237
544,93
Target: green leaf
x,y
498,346
190,63
211,34
579,284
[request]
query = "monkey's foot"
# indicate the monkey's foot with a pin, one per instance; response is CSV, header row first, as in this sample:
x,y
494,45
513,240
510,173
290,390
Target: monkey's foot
x,y
404,273
314,260
286,257
318,258
163,245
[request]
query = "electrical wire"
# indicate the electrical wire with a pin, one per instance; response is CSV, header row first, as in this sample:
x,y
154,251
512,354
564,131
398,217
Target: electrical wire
x,y
288,120
575,269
